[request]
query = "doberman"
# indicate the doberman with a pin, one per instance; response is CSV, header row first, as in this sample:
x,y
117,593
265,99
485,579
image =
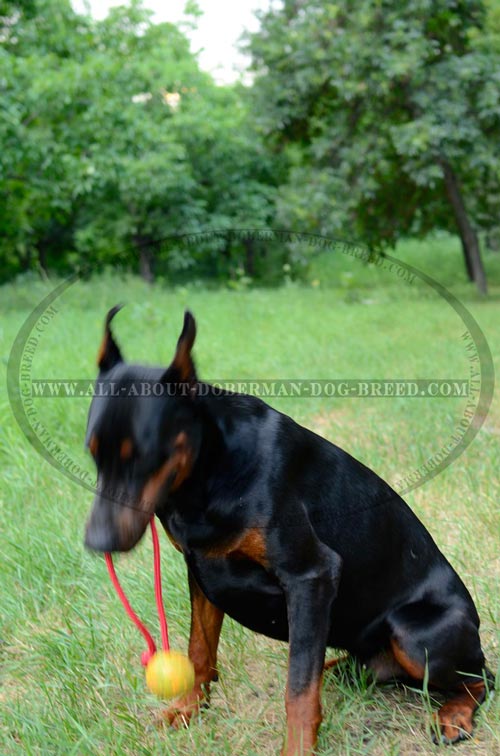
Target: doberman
x,y
281,530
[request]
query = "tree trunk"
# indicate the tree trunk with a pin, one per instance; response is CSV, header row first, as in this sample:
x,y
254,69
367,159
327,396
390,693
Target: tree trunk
x,y
145,258
249,245
25,259
226,254
42,260
468,236
468,266
146,264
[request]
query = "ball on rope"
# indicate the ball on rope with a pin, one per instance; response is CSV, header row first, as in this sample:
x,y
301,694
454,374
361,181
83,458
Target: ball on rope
x,y
169,674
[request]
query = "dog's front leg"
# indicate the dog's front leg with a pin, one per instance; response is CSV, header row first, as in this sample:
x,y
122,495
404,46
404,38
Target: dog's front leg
x,y
309,602
206,623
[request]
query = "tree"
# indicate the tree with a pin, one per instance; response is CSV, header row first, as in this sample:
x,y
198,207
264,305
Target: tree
x,y
113,139
36,170
393,110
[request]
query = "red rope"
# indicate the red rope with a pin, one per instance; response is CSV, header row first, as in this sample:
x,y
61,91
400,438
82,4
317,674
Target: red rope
x,y
146,656
158,594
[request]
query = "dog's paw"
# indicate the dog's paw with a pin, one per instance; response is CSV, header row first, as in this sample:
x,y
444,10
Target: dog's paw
x,y
180,713
453,724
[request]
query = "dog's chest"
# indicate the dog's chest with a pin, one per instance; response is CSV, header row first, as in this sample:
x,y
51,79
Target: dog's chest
x,y
216,538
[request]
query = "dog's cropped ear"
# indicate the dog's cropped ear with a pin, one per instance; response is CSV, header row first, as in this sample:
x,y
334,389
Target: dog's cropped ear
x,y
182,369
109,353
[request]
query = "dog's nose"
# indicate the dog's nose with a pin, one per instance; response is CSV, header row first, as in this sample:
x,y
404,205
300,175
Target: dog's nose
x,y
101,539
101,533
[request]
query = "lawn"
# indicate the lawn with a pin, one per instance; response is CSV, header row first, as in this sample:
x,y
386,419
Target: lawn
x,y
71,679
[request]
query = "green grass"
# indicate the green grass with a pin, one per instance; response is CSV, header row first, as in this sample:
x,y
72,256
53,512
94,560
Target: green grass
x,y
439,256
71,680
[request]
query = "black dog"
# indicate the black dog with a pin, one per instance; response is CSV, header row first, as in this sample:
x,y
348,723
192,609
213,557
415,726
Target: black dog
x,y
281,530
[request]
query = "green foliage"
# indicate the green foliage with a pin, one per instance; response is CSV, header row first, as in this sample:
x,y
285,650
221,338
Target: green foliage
x,y
113,138
369,100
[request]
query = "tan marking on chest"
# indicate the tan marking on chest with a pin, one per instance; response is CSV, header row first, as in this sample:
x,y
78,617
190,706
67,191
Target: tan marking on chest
x,y
250,544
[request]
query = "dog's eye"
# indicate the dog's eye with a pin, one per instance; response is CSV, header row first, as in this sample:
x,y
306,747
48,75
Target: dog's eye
x,y
126,449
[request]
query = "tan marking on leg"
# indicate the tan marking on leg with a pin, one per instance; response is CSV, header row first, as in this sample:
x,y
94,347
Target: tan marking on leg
x,y
332,663
410,666
455,716
303,713
384,666
206,623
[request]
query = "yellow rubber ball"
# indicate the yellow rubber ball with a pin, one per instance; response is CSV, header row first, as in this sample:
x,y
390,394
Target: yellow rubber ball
x,y
169,674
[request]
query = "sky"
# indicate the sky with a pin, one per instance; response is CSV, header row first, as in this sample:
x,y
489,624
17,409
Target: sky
x,y
219,28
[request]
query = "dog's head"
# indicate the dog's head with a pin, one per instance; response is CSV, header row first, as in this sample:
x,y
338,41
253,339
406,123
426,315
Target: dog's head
x,y
144,435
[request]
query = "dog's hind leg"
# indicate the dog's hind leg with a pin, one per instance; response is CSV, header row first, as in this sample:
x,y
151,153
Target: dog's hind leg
x,y
446,642
334,663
